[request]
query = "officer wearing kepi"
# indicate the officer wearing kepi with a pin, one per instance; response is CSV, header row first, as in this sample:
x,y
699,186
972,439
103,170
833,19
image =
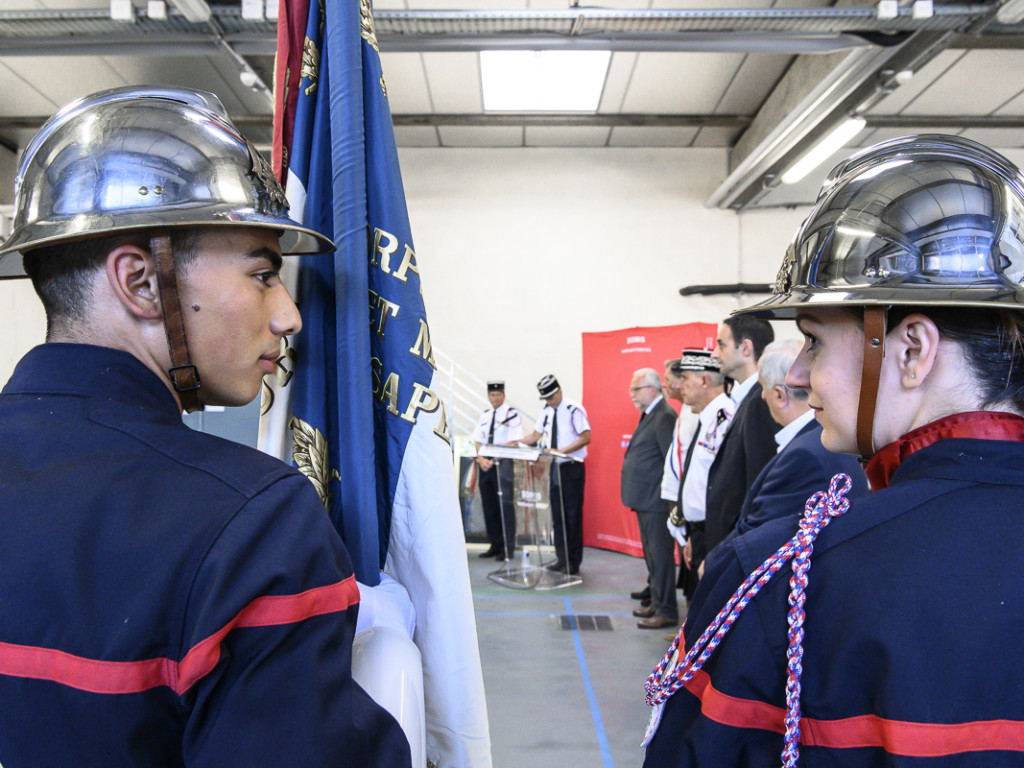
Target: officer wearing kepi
x,y
167,598
500,424
887,636
563,426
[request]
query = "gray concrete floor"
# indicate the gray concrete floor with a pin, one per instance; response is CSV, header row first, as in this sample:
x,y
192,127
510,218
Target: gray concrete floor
x,y
559,698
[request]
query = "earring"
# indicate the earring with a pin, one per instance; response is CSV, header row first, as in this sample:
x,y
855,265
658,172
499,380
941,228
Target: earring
x,y
913,374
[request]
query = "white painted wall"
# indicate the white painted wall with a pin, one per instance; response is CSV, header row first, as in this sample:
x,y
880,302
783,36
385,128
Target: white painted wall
x,y
522,250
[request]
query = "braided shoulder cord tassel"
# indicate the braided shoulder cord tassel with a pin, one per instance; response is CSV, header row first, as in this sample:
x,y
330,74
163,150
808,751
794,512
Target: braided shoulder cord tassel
x,y
663,682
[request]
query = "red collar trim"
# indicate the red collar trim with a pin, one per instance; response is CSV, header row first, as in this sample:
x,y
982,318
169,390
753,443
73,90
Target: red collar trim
x,y
978,425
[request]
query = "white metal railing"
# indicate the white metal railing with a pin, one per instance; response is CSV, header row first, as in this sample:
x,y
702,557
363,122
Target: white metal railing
x,y
465,396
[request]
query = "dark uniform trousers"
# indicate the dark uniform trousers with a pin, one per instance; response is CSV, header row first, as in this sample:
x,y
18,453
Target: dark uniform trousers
x,y
568,476
499,511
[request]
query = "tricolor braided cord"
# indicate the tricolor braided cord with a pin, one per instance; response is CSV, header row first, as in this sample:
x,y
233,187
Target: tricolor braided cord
x,y
818,511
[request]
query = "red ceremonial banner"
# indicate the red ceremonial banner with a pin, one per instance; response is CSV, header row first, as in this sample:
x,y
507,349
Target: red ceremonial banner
x,y
609,360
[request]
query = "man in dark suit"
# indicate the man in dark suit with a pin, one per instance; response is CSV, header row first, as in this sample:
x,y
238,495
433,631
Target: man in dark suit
x,y
642,470
748,444
802,466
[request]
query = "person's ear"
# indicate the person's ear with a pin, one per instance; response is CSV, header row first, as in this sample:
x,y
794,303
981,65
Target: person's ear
x,y
914,344
131,273
780,395
747,348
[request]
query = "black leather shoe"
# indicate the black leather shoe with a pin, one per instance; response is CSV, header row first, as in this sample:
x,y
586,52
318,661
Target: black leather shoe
x,y
643,594
645,602
492,552
556,567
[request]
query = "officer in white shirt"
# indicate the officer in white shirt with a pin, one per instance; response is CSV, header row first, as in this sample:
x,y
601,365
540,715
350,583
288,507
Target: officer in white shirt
x,y
564,427
498,425
703,387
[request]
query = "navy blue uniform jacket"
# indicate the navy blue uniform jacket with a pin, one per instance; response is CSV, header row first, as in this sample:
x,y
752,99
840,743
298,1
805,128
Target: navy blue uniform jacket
x,y
796,472
915,614
167,598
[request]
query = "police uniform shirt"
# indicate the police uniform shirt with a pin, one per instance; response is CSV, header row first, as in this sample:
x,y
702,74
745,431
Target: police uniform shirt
x,y
713,422
572,422
508,425
686,424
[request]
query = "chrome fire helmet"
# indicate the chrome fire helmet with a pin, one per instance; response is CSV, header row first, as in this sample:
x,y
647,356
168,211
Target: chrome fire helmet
x,y
916,220
141,157
147,159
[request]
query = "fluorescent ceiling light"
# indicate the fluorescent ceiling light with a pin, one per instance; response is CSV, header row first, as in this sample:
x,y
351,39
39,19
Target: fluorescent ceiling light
x,y
1011,12
196,11
824,149
543,81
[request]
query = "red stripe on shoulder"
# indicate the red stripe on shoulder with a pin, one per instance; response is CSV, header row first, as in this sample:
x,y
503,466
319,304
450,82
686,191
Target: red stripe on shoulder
x,y
115,677
896,737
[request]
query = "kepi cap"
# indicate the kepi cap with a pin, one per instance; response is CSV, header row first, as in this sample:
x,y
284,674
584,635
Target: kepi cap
x,y
547,386
496,386
696,360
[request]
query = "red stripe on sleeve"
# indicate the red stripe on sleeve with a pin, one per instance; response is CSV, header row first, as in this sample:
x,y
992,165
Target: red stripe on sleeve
x,y
896,737
114,677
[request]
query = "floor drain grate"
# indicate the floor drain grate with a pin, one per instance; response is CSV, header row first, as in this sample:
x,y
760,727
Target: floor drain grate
x,y
583,621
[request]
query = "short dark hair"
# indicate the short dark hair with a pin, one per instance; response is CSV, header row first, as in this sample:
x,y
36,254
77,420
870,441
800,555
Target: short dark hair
x,y
61,274
757,330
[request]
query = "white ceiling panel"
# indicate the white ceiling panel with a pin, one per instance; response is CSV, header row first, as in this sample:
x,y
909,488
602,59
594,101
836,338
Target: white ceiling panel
x,y
1015,156
897,101
973,87
701,4
35,5
487,136
407,83
717,137
652,136
21,97
559,136
620,71
472,5
416,136
680,83
1012,108
884,134
754,79
67,77
997,138
801,4
454,82
218,74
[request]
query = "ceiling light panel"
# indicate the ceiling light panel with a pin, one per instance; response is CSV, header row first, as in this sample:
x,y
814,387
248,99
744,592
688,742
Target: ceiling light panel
x,y
543,81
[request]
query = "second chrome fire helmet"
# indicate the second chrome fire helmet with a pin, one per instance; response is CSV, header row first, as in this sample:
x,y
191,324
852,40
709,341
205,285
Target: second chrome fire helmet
x,y
924,220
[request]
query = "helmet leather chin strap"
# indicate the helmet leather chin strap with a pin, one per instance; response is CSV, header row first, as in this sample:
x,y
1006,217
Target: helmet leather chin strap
x,y
184,375
874,351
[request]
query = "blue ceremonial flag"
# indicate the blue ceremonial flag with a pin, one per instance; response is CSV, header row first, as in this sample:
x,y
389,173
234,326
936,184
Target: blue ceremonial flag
x,y
365,422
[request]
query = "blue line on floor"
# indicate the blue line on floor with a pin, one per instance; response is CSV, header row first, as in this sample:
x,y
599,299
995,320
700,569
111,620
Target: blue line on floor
x,y
543,596
595,711
536,613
